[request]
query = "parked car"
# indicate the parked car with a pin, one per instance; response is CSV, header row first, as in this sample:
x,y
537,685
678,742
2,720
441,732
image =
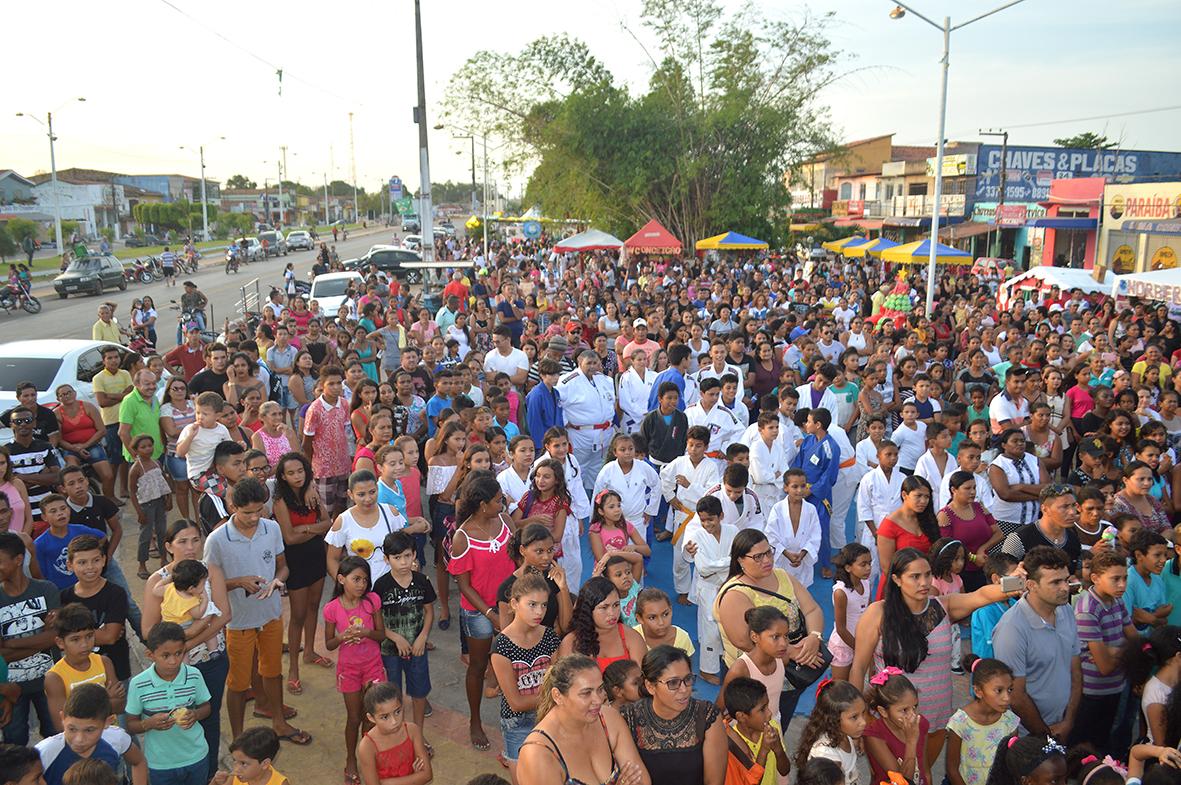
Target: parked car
x,y
300,239
251,248
276,243
448,227
413,242
328,290
47,364
389,259
142,240
410,223
90,275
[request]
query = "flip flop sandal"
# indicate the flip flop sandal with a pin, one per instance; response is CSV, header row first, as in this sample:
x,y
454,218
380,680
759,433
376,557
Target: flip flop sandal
x,y
298,737
430,751
351,779
323,662
143,575
295,687
289,713
445,624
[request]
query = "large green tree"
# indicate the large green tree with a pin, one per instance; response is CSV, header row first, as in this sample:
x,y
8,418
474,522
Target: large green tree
x,y
240,181
1087,141
730,106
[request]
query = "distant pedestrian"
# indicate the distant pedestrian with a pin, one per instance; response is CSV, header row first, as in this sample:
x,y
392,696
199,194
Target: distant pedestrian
x,y
28,246
168,263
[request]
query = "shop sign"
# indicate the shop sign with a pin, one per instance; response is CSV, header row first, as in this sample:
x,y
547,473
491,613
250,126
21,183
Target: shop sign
x,y
1165,258
1123,260
1031,170
1144,290
954,165
1011,215
854,208
985,212
1158,206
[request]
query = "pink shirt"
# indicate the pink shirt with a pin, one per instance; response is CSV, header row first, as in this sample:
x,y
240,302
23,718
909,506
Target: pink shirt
x,y
613,538
1080,400
412,489
365,651
489,564
326,423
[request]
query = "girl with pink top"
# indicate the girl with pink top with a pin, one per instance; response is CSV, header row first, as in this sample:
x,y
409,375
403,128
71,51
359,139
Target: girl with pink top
x,y
850,597
948,557
480,562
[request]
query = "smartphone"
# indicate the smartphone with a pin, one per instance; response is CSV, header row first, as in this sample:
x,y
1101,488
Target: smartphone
x,y
1011,583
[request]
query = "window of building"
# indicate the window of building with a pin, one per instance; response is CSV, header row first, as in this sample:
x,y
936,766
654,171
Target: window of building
x,y
846,191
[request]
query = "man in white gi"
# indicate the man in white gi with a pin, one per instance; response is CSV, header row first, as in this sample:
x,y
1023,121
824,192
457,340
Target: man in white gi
x,y
637,483
768,462
741,507
878,494
844,489
724,428
588,402
816,395
683,481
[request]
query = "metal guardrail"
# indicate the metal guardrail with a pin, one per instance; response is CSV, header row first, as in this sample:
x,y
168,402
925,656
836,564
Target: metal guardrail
x,y
251,300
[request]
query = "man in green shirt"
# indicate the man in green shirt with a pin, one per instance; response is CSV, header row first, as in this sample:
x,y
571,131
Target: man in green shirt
x,y
139,413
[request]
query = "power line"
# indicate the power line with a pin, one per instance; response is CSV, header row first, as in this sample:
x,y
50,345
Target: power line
x,y
1153,110
277,70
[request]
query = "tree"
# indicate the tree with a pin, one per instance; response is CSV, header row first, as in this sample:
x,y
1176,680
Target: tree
x,y
730,106
240,181
8,246
1087,141
20,228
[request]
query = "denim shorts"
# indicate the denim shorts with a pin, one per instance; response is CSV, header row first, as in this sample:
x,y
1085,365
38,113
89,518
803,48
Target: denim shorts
x,y
416,671
515,731
98,452
178,468
475,624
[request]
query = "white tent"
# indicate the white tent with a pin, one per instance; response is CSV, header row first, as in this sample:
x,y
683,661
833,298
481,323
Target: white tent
x,y
1161,285
1043,277
590,240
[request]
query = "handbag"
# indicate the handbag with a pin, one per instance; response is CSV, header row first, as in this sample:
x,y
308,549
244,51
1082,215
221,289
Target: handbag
x,y
795,675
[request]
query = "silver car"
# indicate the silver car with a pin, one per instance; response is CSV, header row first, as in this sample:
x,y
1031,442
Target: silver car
x,y
300,239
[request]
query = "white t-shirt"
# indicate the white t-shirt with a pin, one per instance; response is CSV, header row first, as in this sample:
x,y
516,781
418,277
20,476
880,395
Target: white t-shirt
x,y
200,455
1155,691
846,760
911,444
495,362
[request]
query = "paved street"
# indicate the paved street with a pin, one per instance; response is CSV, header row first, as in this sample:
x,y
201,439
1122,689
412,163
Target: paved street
x,y
73,317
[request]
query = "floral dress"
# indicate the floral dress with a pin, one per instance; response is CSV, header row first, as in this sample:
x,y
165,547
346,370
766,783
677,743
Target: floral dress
x,y
978,743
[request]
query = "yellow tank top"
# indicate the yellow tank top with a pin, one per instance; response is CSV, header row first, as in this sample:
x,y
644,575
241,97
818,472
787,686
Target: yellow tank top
x,y
789,606
175,606
95,672
276,779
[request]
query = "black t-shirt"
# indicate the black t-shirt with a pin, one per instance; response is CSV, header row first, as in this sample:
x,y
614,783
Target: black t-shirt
x,y
109,606
1030,536
45,424
212,510
33,459
402,607
1089,423
551,607
208,381
96,515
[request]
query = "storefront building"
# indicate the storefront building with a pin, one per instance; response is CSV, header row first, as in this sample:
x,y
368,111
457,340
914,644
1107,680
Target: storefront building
x,y
1141,227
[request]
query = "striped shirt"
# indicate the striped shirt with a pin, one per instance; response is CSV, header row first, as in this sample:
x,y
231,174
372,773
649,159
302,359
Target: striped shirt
x,y
148,693
1105,624
33,459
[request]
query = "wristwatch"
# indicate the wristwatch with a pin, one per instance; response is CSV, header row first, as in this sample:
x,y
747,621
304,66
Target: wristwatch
x,y
819,635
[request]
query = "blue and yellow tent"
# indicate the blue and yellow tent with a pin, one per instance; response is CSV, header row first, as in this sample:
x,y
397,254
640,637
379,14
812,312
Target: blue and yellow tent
x,y
731,241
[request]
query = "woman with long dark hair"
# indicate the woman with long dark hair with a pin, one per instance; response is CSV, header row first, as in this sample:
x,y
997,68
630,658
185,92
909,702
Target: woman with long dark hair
x,y
595,629
911,630
480,563
754,581
304,523
680,738
913,525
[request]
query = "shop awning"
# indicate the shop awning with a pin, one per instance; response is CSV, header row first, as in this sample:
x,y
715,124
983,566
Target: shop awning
x,y
869,224
919,252
590,240
1065,223
811,227
653,238
1046,276
836,245
863,249
911,221
1153,227
965,230
731,241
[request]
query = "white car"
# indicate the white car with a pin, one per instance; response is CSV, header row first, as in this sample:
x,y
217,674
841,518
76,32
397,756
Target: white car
x,y
300,239
252,248
48,364
412,241
328,290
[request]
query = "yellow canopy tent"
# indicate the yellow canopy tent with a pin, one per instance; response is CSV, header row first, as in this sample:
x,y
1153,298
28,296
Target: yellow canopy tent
x,y
836,245
919,252
861,250
731,241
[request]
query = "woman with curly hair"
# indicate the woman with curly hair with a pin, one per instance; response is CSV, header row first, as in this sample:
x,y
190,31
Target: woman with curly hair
x,y
595,630
834,728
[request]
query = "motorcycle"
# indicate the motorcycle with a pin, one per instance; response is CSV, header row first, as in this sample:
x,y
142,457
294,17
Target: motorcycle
x,y
155,268
139,272
232,262
10,300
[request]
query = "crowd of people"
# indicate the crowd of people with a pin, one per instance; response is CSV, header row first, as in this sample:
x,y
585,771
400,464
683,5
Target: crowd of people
x,y
867,506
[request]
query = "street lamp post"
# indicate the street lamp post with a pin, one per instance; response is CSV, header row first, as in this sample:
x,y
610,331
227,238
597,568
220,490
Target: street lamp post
x,y
426,219
947,28
57,206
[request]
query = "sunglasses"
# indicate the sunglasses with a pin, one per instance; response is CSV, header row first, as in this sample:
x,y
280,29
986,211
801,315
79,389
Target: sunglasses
x,y
676,682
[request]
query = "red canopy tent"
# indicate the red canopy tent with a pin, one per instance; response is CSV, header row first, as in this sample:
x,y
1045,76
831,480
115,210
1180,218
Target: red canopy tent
x,y
653,239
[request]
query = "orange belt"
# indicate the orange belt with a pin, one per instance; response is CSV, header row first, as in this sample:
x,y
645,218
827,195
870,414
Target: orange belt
x,y
848,463
717,455
681,529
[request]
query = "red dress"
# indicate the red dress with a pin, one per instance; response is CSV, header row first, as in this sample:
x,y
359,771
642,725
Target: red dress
x,y
902,539
395,761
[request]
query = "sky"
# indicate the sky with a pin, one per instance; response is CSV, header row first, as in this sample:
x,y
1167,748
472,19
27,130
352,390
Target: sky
x,y
161,74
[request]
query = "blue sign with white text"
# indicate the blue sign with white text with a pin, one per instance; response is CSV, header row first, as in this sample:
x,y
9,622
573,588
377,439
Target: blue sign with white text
x,y
1030,170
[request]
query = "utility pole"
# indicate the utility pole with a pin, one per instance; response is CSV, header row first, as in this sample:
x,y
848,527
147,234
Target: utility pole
x,y
1004,174
426,218
353,165
266,207
279,223
57,204
204,201
484,206
326,221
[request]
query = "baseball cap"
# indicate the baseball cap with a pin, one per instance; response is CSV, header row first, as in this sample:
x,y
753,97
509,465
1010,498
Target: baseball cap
x,y
1094,446
640,323
191,326
558,344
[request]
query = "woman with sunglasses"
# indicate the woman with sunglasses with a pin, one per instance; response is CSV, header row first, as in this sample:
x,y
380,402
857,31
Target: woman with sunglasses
x,y
680,738
754,580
